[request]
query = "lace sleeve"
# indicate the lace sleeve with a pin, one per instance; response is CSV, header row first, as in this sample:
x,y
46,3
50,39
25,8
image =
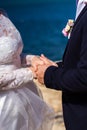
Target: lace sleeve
x,y
17,78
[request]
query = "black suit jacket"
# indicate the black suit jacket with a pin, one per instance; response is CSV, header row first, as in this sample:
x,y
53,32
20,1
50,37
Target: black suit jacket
x,y
71,76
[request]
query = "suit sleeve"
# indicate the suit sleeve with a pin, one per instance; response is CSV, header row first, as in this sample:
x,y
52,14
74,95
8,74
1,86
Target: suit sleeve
x,y
59,63
74,79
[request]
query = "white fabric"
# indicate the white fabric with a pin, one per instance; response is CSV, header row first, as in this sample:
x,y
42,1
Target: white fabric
x,y
20,108
80,5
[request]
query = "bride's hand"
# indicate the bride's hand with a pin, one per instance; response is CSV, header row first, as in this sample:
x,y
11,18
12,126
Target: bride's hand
x,y
33,71
35,62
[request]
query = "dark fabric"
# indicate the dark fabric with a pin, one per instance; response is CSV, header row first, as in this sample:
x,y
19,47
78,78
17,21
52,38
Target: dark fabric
x,y
60,63
71,76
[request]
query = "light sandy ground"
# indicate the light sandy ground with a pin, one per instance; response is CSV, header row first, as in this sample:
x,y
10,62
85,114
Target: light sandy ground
x,y
58,124
53,99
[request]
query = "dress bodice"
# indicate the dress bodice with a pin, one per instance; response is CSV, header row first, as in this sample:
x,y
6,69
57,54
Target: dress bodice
x,y
10,45
12,75
10,50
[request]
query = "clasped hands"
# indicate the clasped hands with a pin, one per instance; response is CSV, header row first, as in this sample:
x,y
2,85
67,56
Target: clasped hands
x,y
39,66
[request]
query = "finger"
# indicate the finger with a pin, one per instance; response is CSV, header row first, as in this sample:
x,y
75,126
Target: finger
x,y
44,60
41,62
36,73
40,80
43,56
35,67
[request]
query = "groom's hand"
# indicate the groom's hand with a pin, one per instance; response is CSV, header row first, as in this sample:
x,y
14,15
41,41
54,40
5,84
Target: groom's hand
x,y
47,61
40,72
42,68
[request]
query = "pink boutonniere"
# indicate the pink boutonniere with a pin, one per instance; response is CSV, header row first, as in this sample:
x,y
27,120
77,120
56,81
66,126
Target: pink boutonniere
x,y
68,28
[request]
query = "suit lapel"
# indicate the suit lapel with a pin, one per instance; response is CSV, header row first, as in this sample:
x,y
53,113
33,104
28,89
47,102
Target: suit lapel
x,y
79,17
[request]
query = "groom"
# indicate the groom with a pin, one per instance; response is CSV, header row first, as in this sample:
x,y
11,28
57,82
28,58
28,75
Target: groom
x,y
70,76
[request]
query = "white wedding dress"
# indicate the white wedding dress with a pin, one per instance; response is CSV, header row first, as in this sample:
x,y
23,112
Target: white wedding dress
x,y
20,107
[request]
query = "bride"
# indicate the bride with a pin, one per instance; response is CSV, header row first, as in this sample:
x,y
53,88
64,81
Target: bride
x,y
21,107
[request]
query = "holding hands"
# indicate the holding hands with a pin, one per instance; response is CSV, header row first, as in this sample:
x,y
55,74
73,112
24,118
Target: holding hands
x,y
39,66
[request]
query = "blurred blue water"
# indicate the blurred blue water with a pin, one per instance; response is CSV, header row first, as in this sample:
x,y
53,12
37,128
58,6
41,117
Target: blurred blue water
x,y
41,24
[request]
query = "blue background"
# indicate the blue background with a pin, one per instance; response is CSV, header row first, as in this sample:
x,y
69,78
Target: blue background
x,y
40,23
